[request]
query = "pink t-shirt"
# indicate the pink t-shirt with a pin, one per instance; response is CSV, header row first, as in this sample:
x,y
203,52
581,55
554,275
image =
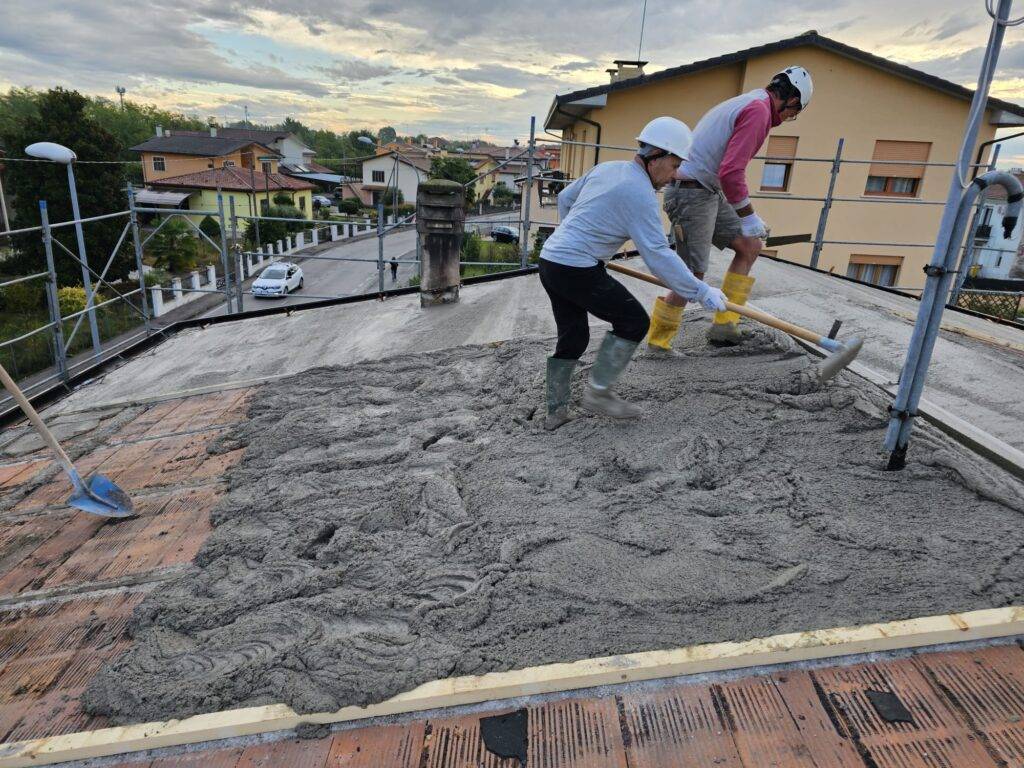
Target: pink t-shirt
x,y
724,142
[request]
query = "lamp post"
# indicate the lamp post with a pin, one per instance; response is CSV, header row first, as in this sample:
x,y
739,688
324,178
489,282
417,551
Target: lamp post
x,y
55,153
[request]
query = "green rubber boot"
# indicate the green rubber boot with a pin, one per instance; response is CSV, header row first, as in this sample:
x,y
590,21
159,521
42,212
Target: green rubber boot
x,y
559,374
612,359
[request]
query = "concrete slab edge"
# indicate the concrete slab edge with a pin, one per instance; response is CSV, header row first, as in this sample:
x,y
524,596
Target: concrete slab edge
x,y
551,678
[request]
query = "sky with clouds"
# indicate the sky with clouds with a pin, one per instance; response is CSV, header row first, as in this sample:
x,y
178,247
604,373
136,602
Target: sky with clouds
x,y
458,68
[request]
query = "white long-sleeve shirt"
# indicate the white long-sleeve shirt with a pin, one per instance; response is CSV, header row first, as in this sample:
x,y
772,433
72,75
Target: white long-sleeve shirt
x,y
610,204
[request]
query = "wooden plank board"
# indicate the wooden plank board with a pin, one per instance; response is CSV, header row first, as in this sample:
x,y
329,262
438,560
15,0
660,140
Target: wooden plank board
x,y
778,649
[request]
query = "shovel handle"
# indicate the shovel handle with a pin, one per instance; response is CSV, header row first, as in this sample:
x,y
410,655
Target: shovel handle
x,y
37,422
753,314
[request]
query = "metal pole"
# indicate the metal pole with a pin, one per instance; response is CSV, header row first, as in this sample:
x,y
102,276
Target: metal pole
x,y
922,342
968,260
239,269
380,243
225,264
826,206
253,212
86,279
60,357
524,246
133,219
3,206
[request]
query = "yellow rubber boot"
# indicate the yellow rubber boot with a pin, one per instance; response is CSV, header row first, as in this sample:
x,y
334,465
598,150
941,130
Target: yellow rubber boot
x,y
665,321
725,328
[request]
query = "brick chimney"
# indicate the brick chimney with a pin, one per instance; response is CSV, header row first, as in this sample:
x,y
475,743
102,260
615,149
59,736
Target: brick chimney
x,y
626,70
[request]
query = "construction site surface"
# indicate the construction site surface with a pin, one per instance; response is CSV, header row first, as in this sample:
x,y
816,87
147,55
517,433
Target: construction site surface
x,y
327,538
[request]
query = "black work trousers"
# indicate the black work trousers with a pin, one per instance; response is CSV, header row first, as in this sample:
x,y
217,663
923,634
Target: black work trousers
x,y
575,291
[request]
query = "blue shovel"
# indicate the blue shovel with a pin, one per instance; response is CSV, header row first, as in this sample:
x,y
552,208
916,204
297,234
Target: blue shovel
x,y
97,495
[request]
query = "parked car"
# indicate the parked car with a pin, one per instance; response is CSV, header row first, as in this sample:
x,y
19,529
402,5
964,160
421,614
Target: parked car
x,y
277,280
323,201
502,234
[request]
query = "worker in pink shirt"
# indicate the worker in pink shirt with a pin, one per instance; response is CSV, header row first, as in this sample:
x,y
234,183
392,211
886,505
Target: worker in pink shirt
x,y
710,201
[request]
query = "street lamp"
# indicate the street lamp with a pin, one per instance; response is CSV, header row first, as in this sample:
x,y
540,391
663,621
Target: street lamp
x,y
56,153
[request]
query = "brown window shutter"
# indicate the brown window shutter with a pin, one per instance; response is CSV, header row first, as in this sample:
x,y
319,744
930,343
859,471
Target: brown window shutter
x,y
857,258
781,146
911,151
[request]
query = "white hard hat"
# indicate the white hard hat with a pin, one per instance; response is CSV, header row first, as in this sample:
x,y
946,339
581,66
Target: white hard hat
x,y
667,133
800,79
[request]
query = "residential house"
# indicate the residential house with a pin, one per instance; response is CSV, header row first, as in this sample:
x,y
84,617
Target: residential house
x,y
893,120
404,170
993,252
185,171
174,154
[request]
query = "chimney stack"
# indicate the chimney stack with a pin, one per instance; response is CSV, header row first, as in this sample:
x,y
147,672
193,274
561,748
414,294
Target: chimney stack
x,y
213,131
626,70
160,131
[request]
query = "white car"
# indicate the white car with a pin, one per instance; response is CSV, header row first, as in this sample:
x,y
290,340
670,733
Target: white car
x,y
277,280
323,200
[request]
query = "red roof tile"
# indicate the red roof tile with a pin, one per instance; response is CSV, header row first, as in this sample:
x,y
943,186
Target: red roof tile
x,y
233,178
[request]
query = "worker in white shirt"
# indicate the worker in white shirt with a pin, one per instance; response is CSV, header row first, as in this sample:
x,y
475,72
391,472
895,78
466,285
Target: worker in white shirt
x,y
610,204
709,200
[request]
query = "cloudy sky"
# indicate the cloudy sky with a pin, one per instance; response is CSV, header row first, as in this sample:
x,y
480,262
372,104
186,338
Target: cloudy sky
x,y
459,68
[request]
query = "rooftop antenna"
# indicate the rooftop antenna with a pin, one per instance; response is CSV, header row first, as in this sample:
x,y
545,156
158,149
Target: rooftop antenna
x,y
643,21
246,108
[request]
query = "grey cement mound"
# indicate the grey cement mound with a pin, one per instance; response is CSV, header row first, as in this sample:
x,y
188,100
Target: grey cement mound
x,y
408,519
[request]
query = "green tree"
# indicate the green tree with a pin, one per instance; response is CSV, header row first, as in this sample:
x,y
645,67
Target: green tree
x,y
455,169
175,246
387,134
61,116
501,194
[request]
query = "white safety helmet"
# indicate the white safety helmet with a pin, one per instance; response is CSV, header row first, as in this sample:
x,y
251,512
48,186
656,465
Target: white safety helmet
x,y
669,134
800,79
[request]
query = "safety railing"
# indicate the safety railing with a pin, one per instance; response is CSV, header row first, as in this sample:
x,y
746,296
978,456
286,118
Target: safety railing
x,y
972,244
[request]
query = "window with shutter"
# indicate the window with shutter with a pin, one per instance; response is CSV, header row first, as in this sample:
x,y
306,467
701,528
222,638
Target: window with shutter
x,y
877,270
897,168
779,166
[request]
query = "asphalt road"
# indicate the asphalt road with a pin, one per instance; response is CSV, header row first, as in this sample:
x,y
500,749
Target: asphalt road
x,y
324,277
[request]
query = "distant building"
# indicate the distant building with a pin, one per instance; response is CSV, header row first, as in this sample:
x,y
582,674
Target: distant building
x,y
387,170
184,170
994,253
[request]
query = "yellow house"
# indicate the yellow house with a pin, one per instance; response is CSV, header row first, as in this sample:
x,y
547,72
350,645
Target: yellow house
x,y
894,121
251,192
170,154
197,164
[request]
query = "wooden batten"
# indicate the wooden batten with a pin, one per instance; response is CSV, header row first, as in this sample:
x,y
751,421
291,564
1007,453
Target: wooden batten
x,y
551,678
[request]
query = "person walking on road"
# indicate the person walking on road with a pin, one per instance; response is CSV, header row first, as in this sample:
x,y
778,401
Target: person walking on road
x,y
610,204
710,203
394,269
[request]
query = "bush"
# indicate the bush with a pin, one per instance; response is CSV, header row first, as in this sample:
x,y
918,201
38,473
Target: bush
x,y
471,247
272,231
25,298
210,227
350,206
283,198
71,300
502,195
156,277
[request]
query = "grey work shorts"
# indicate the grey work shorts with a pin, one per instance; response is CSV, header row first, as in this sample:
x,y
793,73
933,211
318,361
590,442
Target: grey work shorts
x,y
706,218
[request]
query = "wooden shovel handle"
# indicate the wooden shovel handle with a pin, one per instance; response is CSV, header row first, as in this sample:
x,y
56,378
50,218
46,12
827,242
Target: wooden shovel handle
x,y
753,314
34,418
